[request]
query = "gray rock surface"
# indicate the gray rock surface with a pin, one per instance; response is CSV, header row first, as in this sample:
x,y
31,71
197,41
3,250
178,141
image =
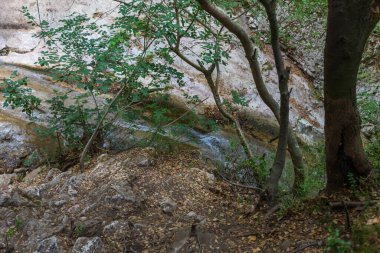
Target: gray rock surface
x,y
49,245
88,245
5,180
118,205
114,227
168,206
13,145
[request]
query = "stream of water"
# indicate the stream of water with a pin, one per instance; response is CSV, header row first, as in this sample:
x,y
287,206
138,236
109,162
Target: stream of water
x,y
214,145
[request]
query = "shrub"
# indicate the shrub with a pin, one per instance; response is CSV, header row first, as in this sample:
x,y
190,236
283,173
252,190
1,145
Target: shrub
x,y
335,244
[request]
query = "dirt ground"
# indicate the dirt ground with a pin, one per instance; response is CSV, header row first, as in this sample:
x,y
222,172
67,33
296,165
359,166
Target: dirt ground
x,y
178,205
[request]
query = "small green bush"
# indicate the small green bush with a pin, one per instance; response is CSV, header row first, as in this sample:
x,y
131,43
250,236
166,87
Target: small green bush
x,y
17,95
366,238
335,244
315,174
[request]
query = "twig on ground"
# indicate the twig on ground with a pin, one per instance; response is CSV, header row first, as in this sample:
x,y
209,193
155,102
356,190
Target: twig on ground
x,y
348,220
352,204
240,185
304,246
258,233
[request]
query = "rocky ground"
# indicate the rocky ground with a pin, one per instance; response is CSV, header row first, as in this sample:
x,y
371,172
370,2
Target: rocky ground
x,y
145,201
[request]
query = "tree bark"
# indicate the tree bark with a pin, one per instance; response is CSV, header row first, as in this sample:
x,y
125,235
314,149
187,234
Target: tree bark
x,y
350,22
251,56
283,78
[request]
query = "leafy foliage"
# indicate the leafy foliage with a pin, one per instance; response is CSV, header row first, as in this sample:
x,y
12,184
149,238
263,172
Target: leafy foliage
x,y
315,174
74,122
247,171
366,238
117,70
336,244
239,99
101,63
16,96
370,115
369,109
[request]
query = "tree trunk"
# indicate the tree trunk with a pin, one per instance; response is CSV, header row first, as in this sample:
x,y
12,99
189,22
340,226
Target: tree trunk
x,y
283,78
350,23
268,99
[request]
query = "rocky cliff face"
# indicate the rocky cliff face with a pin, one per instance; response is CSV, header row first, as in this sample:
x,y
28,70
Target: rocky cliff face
x,y
19,48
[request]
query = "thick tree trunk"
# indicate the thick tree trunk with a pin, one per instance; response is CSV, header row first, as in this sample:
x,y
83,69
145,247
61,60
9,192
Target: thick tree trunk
x,y
350,23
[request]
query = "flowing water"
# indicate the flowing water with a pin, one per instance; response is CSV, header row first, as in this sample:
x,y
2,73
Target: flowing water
x,y
17,131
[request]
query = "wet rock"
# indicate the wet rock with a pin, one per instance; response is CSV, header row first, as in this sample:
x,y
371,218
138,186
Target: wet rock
x,y
88,245
49,245
168,206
